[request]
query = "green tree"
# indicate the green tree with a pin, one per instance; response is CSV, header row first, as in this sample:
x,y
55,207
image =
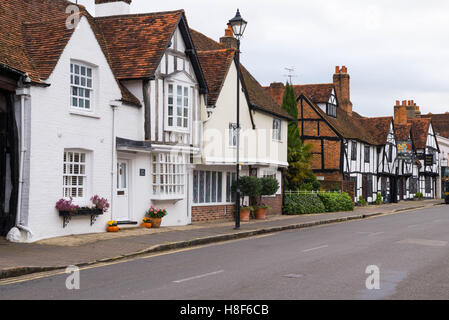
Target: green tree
x,y
299,155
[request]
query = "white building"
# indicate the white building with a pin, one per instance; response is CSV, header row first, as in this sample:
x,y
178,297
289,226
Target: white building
x,y
113,106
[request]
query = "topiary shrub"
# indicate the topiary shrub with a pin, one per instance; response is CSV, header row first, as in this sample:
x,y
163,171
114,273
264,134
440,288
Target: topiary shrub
x,y
379,199
362,202
334,202
302,203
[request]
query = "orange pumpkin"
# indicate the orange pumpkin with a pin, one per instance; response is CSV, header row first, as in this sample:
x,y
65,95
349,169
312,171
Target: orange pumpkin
x,y
112,229
146,225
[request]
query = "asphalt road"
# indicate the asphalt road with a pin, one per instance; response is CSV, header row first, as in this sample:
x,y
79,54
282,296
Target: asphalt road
x,y
411,250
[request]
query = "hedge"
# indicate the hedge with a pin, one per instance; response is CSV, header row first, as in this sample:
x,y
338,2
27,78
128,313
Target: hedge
x,y
302,203
334,202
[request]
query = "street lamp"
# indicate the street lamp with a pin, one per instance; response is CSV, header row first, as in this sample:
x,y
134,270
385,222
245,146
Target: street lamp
x,y
238,27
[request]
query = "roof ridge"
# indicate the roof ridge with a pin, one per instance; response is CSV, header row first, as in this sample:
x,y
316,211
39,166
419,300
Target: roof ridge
x,y
137,15
312,84
217,50
206,36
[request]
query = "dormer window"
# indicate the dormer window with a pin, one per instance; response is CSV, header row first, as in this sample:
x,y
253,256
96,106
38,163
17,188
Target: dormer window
x,y
81,86
331,106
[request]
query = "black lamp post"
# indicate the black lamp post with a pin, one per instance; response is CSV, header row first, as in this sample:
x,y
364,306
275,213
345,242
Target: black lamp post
x,y
238,27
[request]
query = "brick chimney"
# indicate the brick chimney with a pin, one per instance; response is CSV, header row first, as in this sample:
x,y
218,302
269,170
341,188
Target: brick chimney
x,y
342,86
229,41
104,8
400,113
405,111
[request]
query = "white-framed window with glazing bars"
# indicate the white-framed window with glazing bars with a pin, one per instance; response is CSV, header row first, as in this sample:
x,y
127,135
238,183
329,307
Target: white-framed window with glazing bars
x,y
168,174
74,174
81,86
178,104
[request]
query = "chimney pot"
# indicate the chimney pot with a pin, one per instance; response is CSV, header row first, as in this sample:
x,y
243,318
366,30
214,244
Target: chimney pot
x,y
337,69
344,69
398,103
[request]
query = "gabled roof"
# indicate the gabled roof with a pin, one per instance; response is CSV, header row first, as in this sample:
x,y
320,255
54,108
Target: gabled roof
x,y
420,131
317,93
33,35
209,52
215,64
402,132
137,42
440,123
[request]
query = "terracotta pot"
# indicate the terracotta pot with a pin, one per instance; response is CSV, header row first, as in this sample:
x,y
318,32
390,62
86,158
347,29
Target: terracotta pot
x,y
155,222
244,214
112,229
260,214
146,225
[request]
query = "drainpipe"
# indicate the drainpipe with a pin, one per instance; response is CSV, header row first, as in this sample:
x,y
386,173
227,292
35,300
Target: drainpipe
x,y
114,105
22,92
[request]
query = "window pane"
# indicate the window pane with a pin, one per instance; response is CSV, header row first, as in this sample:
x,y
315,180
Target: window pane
x,y
214,187
208,191
89,72
77,69
179,91
219,185
201,187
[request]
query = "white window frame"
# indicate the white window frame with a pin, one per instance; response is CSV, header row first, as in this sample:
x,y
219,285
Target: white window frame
x,y
168,175
185,110
70,172
276,132
77,65
197,175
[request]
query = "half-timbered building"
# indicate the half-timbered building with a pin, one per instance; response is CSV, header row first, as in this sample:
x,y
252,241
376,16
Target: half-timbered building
x,y
346,146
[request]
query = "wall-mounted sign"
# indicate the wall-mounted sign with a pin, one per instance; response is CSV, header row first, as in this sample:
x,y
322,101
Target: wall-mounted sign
x,y
428,160
405,151
142,172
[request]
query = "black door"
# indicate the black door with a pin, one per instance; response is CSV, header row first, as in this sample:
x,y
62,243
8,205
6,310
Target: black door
x,y
8,163
394,189
365,186
401,188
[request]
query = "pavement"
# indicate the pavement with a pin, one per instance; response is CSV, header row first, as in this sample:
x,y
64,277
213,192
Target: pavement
x,y
83,250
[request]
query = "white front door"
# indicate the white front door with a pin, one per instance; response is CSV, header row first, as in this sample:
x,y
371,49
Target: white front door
x,y
122,196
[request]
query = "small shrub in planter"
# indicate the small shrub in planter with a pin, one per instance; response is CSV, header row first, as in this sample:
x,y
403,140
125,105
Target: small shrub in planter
x,y
112,226
419,196
362,202
269,186
250,186
379,199
334,202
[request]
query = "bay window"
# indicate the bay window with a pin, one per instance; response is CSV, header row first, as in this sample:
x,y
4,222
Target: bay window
x,y
207,186
81,89
168,174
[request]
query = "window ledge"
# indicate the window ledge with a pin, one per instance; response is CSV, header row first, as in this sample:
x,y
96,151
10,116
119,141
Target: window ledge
x,y
174,197
84,113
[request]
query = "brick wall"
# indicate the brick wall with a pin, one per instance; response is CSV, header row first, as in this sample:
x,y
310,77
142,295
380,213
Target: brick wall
x,y
225,212
275,203
213,212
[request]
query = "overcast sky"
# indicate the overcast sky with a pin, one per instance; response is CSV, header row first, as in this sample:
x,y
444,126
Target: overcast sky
x,y
394,50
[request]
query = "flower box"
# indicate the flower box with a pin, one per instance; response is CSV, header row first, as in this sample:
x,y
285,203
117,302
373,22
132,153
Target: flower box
x,y
67,215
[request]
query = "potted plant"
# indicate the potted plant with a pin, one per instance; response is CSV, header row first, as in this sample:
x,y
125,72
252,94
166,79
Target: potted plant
x,y
155,215
379,199
66,206
362,202
418,196
269,186
250,186
146,222
112,226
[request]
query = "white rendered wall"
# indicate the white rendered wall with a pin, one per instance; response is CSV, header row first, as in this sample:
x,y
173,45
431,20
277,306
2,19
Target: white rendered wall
x,y
54,128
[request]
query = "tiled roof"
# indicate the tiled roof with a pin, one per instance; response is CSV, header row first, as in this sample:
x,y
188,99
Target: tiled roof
x,y
420,130
317,93
440,123
257,97
136,43
215,65
402,132
378,127
33,35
